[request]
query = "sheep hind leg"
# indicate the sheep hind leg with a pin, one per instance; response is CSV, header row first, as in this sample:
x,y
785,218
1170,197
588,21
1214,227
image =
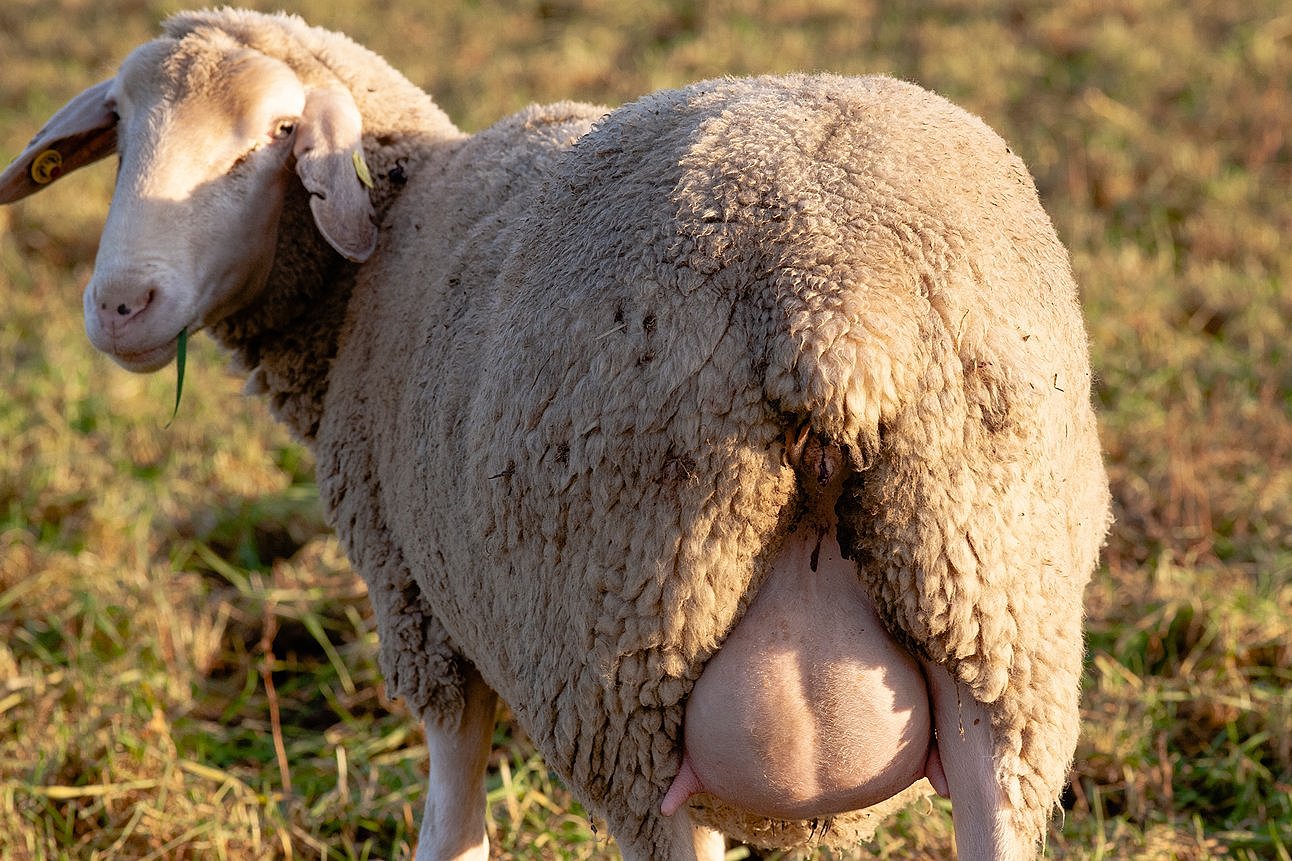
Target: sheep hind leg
x,y
453,821
960,765
687,841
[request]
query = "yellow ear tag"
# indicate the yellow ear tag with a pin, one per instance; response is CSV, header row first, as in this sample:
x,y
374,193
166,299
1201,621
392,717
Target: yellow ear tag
x,y
361,168
46,167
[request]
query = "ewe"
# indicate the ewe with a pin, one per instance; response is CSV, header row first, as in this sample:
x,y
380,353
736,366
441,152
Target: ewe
x,y
739,438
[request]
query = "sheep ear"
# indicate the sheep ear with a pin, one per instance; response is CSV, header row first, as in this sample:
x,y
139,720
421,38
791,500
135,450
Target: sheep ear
x,y
83,131
329,161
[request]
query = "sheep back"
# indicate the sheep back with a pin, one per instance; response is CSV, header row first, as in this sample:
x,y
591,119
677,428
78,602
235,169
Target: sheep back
x,y
569,370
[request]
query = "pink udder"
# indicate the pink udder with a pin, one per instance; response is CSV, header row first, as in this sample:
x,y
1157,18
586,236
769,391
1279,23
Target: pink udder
x,y
810,708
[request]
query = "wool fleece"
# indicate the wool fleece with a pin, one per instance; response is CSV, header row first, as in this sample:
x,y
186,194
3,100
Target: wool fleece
x,y
568,410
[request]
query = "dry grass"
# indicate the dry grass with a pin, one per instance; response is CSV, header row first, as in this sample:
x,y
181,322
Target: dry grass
x,y
152,581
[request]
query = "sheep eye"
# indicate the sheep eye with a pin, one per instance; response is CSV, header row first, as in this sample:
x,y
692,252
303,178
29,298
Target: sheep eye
x,y
283,129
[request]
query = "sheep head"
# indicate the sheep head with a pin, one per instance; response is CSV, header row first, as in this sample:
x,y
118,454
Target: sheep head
x,y
209,134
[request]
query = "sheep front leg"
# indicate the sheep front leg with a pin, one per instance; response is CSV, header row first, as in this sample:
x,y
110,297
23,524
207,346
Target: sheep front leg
x,y
960,767
453,822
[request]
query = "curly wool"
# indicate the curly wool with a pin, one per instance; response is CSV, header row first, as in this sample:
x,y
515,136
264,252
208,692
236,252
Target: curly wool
x,y
576,414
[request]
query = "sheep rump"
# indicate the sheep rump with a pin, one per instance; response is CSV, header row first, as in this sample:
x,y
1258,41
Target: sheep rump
x,y
584,449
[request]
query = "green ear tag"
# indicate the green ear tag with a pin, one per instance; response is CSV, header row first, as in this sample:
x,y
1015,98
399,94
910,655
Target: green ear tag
x,y
181,352
361,168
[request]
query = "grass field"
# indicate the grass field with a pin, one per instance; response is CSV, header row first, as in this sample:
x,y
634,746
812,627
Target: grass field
x,y
153,578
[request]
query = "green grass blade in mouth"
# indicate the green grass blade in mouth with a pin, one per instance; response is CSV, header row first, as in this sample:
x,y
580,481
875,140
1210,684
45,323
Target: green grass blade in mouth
x,y
181,352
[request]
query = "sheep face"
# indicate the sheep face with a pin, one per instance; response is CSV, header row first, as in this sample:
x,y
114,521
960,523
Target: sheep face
x,y
190,234
208,134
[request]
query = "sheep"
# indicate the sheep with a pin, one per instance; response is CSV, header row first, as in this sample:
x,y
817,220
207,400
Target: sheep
x,y
603,402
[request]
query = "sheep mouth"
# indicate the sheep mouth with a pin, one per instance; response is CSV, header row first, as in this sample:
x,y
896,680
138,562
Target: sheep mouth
x,y
148,360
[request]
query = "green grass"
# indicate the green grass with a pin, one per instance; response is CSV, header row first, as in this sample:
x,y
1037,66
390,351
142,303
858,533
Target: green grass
x,y
153,579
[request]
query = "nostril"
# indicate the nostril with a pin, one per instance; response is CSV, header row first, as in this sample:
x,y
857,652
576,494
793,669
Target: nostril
x,y
123,312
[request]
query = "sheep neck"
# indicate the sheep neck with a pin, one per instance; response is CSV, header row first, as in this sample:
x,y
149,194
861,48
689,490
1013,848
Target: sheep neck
x,y
287,337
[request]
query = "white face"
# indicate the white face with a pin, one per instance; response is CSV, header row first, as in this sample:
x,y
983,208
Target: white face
x,y
191,232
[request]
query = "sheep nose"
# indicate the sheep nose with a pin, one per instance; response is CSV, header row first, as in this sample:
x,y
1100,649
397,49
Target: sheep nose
x,y
115,313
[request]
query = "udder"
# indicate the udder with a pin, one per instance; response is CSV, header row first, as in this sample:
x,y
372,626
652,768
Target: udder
x,y
809,708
